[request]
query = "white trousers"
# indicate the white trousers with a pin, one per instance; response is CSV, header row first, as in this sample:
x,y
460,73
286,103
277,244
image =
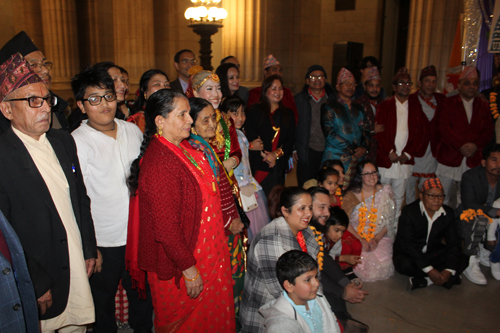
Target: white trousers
x,y
398,187
70,329
447,187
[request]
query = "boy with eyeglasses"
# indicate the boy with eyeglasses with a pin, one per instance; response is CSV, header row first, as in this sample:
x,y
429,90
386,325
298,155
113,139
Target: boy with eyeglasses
x,y
418,249
106,147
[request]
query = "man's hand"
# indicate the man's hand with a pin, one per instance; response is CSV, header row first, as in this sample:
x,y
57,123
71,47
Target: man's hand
x,y
436,277
90,263
359,152
45,302
393,157
445,276
98,262
403,158
379,128
468,150
353,294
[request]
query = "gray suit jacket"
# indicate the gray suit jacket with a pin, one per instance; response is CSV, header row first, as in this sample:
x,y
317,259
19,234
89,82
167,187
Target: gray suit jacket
x,y
474,191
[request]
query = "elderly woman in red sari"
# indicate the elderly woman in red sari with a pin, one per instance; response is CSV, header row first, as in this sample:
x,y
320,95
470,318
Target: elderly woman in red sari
x,y
180,243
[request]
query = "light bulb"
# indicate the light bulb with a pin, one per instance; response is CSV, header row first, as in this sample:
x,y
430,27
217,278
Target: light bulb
x,y
222,13
201,12
213,12
188,14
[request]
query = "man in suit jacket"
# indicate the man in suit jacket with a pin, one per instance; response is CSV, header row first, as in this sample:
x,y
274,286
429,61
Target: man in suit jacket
x,y
418,249
18,309
43,196
479,189
183,61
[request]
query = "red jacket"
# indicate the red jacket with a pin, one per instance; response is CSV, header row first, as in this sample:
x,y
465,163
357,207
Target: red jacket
x,y
455,131
386,115
288,100
431,133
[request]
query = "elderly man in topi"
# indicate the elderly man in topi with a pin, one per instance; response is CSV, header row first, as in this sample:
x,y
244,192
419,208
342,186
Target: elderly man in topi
x,y
43,196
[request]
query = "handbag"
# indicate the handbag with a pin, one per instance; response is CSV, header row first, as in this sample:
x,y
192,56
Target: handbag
x,y
248,198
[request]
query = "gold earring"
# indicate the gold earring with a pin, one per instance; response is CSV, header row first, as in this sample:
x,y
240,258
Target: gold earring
x,y
193,131
159,131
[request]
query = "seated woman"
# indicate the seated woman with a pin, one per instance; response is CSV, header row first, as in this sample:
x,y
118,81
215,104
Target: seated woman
x,y
288,231
274,124
259,217
151,81
370,207
181,234
229,75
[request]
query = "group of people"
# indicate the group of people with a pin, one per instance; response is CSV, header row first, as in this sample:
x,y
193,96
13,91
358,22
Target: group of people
x,y
178,197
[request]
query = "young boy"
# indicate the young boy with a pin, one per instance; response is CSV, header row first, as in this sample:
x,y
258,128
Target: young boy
x,y
106,148
301,307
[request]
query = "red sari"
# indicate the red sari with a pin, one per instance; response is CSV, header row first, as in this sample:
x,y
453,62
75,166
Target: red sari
x,y
213,310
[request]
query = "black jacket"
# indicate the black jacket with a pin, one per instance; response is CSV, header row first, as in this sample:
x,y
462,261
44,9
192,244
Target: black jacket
x,y
26,202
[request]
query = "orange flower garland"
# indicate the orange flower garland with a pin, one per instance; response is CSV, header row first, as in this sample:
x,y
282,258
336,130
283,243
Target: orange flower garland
x,y
319,238
372,217
494,105
470,214
339,193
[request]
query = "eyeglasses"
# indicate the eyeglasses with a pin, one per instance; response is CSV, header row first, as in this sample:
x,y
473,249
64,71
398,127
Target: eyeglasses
x,y
319,77
37,102
96,100
405,83
187,61
38,65
436,196
369,174
349,85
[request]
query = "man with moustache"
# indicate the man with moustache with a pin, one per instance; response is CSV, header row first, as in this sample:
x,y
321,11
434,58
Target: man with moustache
x,y
431,101
43,196
399,143
345,127
480,188
309,139
465,128
183,61
418,249
23,44
370,99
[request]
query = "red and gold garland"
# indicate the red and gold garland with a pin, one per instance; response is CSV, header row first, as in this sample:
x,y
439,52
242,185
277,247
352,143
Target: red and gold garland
x,y
372,216
470,214
493,105
319,238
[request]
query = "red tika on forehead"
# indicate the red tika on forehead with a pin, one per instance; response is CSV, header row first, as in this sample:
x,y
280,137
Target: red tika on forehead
x,y
16,73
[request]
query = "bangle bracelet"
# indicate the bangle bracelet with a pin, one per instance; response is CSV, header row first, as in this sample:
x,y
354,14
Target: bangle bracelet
x,y
235,162
191,280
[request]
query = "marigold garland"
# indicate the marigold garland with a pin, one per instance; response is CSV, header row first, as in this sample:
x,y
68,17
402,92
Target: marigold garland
x,y
493,105
338,193
372,217
319,238
470,214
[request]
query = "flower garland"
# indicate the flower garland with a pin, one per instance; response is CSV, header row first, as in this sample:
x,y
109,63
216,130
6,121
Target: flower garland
x,y
470,214
372,216
319,238
339,194
493,105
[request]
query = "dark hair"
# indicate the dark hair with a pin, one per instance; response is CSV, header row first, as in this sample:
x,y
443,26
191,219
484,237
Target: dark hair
x,y
224,81
331,164
265,106
223,61
491,148
357,183
178,54
338,216
106,65
324,173
197,105
316,189
122,70
374,61
160,103
231,104
93,76
281,196
143,86
293,264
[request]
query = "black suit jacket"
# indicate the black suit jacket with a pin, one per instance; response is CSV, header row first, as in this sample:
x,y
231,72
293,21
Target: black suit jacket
x,y
26,202
176,85
412,234
474,190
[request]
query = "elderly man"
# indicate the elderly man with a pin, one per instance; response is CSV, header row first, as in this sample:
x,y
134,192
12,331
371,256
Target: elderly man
x,y
465,128
43,196
23,44
370,99
271,67
425,166
309,139
345,127
400,141
183,61
419,251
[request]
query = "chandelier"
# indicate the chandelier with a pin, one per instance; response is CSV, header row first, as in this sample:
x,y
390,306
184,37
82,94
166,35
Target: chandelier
x,y
205,12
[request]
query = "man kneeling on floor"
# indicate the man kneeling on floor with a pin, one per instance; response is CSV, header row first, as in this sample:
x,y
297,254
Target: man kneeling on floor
x,y
301,307
419,251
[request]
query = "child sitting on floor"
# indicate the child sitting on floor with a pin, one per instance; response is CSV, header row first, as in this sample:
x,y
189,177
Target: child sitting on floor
x,y
347,252
328,178
301,307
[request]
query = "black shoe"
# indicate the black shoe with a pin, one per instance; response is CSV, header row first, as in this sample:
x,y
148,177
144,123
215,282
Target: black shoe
x,y
143,331
415,283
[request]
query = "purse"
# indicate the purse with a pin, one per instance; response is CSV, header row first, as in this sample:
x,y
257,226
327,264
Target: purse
x,y
248,198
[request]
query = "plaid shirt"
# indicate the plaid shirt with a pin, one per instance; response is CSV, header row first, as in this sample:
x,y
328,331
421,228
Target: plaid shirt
x,y
261,283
